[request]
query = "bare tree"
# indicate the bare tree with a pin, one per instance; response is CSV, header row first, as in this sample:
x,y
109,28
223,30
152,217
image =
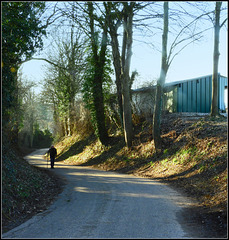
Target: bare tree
x,y
161,81
114,22
122,14
64,77
217,26
126,58
188,33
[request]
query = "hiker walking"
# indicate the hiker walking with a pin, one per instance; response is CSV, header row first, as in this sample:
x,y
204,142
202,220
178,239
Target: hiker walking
x,y
52,152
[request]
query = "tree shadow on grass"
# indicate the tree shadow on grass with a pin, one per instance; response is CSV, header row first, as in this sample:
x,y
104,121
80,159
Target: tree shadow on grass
x,y
116,143
205,172
76,148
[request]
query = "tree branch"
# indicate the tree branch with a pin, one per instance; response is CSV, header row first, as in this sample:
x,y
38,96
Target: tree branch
x,y
43,59
223,23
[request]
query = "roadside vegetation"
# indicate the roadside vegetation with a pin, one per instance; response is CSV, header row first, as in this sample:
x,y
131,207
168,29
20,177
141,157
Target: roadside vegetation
x,y
194,156
193,160
91,117
26,189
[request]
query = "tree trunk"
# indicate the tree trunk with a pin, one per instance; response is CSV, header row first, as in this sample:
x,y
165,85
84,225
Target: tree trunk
x,y
113,31
99,104
122,63
117,66
127,113
215,101
66,126
126,58
71,118
31,130
157,119
99,111
160,84
99,61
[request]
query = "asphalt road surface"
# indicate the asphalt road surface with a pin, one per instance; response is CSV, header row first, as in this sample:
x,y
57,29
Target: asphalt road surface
x,y
99,204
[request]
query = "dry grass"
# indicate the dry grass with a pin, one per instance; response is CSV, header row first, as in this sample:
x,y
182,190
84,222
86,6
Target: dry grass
x,y
194,157
194,160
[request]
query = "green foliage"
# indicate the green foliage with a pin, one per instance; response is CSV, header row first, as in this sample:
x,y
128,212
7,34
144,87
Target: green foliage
x,y
165,152
63,80
88,87
21,30
151,163
21,36
42,139
22,185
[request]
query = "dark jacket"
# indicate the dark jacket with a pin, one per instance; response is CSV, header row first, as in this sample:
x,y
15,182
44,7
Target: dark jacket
x,y
52,151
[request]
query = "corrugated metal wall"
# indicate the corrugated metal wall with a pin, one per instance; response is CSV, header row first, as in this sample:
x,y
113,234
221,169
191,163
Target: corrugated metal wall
x,y
192,95
222,85
195,95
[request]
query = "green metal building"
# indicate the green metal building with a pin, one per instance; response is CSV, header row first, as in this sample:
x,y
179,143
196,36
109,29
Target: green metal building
x,y
194,95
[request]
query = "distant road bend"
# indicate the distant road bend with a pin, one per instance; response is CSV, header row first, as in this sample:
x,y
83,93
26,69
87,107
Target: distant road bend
x,y
99,204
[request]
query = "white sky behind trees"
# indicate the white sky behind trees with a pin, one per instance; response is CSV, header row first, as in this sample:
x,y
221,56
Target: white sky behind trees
x,y
195,60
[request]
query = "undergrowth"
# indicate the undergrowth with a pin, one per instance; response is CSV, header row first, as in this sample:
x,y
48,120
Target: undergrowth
x,y
26,190
194,157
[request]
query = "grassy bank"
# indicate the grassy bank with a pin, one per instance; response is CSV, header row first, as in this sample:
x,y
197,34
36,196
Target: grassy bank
x,y
194,159
26,190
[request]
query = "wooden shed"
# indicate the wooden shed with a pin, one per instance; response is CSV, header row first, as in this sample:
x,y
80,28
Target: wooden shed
x,y
192,95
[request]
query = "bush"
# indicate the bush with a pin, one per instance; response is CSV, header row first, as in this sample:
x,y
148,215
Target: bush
x,y
42,139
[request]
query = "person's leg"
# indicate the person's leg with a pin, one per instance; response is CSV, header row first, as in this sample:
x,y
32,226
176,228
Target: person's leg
x,y
52,162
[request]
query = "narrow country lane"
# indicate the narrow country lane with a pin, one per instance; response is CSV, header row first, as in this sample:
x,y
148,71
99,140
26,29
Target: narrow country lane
x,y
99,204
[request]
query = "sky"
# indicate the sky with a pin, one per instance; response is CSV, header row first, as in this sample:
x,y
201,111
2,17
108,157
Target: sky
x,y
194,61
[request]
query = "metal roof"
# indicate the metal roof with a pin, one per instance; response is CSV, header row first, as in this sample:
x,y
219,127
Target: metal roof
x,y
187,80
171,84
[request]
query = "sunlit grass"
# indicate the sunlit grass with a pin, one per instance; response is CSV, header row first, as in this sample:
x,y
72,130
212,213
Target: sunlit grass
x,y
193,159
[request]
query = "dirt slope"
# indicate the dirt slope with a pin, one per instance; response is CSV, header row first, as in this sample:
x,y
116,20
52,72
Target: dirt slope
x,y
194,161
